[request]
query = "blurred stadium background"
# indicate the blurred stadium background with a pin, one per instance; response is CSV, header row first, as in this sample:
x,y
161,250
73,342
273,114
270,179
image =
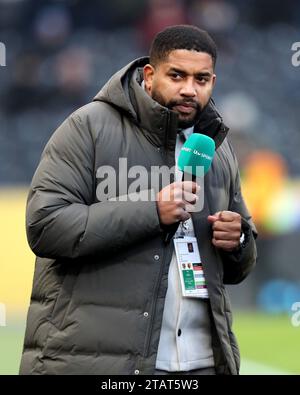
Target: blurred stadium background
x,y
58,55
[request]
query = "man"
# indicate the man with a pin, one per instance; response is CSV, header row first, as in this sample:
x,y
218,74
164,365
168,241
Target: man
x,y
106,295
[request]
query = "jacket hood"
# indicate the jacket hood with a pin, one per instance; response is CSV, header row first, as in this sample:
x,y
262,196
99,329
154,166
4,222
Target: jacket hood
x,y
124,92
116,90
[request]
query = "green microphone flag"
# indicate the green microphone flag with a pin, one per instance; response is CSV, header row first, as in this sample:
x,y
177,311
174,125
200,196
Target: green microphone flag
x,y
196,155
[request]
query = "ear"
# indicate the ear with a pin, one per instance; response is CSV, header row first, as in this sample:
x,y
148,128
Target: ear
x,y
214,77
148,72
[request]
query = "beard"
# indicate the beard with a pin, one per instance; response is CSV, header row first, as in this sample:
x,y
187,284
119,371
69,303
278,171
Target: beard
x,y
185,120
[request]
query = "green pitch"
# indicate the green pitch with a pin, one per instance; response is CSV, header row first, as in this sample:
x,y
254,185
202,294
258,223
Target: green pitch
x,y
270,341
11,344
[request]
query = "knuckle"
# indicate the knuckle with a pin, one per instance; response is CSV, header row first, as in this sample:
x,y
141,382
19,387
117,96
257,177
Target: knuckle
x,y
179,204
178,212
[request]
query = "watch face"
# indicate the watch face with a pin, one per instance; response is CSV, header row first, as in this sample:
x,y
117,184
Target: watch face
x,y
243,240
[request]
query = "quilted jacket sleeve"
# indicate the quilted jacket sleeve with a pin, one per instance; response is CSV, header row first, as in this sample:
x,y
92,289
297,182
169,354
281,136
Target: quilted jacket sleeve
x,y
237,265
62,218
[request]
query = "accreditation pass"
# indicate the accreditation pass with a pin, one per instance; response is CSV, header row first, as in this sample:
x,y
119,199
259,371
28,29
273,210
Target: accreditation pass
x,y
190,268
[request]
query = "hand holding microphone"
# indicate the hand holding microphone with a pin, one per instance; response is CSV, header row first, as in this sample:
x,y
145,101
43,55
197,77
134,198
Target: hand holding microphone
x,y
176,200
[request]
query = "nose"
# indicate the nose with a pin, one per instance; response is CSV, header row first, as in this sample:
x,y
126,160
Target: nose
x,y
188,89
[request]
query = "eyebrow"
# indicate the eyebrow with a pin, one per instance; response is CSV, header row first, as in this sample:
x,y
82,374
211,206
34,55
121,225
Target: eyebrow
x,y
200,74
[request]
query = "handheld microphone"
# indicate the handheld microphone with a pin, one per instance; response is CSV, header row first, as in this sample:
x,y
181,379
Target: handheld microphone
x,y
196,155
194,161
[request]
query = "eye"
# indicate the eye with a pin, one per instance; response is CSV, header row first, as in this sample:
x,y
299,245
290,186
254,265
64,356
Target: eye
x,y
175,76
202,80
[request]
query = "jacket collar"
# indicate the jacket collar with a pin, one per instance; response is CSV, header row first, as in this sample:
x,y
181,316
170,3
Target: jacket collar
x,y
159,124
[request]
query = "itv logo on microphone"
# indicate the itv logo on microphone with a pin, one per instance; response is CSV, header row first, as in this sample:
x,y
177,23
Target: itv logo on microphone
x,y
2,54
296,56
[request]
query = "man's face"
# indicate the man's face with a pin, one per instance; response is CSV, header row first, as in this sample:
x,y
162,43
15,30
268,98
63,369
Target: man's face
x,y
183,83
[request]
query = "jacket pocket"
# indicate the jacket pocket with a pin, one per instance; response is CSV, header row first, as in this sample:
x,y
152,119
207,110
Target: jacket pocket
x,y
64,299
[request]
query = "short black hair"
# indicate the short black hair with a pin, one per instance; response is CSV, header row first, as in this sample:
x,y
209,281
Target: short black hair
x,y
181,37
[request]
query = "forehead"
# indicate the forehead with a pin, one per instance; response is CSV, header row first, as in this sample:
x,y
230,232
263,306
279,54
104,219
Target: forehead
x,y
189,61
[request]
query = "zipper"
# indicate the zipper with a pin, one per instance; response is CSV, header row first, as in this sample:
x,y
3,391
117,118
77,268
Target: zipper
x,y
158,282
212,317
167,131
164,152
229,329
166,148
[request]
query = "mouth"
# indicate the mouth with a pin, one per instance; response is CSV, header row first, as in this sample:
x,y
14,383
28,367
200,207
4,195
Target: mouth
x,y
185,108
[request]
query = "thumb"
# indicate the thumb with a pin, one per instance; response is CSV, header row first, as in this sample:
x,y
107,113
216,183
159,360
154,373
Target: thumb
x,y
215,217
212,218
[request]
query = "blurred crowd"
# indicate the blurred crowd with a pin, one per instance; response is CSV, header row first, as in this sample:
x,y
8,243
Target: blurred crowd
x,y
60,53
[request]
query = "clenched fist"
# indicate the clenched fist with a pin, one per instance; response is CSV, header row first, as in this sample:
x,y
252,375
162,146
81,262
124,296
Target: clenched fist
x,y
226,227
